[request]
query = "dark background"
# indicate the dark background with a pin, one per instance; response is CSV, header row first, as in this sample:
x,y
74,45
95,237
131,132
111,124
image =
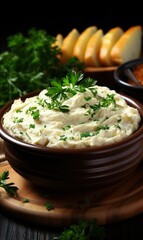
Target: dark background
x,y
65,23
57,19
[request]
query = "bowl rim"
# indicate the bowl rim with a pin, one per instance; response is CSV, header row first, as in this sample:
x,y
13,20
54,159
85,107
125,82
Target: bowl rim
x,y
100,69
105,148
120,68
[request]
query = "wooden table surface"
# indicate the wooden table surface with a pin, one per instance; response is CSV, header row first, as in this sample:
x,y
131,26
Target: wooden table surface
x,y
11,229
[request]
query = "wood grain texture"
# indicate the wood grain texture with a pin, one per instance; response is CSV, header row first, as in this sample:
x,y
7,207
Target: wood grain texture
x,y
106,205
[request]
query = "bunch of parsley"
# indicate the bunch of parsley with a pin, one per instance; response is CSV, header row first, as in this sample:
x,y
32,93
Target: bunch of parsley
x,y
29,63
84,230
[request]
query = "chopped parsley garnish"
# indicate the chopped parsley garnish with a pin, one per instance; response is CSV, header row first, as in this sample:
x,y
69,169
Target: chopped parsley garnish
x,y
63,138
49,206
32,125
17,120
104,127
28,135
97,131
35,113
25,200
87,98
67,127
18,110
86,134
104,102
31,109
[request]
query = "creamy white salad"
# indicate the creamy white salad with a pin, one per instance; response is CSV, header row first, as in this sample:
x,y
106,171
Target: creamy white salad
x,y
75,117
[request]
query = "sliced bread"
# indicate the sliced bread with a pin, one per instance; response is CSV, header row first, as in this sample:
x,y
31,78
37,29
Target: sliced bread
x,y
81,43
58,40
108,41
128,47
91,56
68,45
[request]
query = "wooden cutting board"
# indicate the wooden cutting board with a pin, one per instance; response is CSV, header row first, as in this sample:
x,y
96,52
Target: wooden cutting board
x,y
105,205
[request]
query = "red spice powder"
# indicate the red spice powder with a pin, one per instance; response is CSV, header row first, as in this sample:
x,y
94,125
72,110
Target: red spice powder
x,y
138,72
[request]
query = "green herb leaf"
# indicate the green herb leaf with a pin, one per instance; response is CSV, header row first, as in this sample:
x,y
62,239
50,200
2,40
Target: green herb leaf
x,y
49,206
66,88
85,230
9,187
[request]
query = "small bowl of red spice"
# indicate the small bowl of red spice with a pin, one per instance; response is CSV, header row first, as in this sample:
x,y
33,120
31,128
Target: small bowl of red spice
x,y
129,78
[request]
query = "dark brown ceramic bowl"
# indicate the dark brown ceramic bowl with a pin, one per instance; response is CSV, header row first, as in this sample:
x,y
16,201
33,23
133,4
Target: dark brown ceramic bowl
x,y
75,169
124,82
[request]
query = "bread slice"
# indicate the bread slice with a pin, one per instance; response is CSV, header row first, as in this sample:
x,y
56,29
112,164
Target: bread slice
x,y
81,43
91,56
58,40
108,41
68,45
128,47
58,43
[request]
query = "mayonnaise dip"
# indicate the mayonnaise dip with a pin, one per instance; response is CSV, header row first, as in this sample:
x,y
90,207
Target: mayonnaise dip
x,y
95,117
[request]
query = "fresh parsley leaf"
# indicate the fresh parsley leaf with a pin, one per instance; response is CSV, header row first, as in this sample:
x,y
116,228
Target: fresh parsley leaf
x,y
67,87
85,230
9,187
49,206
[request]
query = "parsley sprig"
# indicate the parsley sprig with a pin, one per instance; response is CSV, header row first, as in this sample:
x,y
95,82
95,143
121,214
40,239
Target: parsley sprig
x,y
9,187
67,87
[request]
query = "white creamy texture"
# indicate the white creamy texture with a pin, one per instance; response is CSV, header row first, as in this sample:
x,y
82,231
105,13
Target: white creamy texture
x,y
89,122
